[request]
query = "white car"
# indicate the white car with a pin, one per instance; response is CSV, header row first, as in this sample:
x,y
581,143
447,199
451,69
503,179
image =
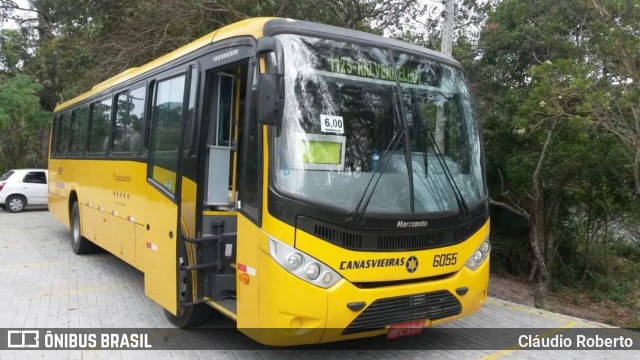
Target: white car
x,y
23,188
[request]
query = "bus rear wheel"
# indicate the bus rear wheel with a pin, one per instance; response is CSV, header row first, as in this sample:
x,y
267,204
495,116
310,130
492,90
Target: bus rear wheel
x,y
79,243
188,315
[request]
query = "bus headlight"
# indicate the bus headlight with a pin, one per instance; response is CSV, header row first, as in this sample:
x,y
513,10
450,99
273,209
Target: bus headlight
x,y
294,262
478,257
326,277
313,270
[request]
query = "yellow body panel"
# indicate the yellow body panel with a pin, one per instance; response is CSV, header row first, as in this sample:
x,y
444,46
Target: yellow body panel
x,y
165,178
188,210
123,213
291,310
295,312
248,295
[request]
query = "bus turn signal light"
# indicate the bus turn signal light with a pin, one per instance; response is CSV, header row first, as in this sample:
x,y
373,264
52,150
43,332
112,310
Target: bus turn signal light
x,y
244,278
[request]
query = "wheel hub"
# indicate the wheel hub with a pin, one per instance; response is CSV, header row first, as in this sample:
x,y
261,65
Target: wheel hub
x,y
16,204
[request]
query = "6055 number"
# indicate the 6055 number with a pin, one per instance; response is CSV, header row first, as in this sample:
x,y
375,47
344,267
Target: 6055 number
x,y
445,259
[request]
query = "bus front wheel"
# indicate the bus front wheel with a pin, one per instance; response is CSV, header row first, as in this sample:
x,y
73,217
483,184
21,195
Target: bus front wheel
x,y
188,315
79,243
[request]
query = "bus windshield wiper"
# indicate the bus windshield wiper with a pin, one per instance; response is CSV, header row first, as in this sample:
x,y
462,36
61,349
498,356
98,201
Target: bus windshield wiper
x,y
355,215
397,103
420,129
462,205
401,133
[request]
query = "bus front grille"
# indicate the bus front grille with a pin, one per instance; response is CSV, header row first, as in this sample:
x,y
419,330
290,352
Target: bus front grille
x,y
399,240
384,312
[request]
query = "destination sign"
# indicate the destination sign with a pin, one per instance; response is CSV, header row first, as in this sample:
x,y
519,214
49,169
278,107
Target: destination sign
x,y
371,69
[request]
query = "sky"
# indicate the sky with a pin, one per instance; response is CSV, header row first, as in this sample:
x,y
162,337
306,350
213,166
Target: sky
x,y
10,24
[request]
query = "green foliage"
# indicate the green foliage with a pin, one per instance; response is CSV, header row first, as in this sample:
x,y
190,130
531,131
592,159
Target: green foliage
x,y
558,72
14,49
510,254
80,42
23,124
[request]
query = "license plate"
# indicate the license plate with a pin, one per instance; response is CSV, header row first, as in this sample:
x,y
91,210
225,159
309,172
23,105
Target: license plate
x,y
405,329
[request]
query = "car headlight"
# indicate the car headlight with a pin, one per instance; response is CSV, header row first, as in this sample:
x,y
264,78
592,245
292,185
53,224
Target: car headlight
x,y
302,265
479,256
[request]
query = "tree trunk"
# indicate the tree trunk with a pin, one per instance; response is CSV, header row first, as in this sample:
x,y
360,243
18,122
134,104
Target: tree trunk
x,y
536,237
636,168
534,271
587,235
540,294
537,225
47,74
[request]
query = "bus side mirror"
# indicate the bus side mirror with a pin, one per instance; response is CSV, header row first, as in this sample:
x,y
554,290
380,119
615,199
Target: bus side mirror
x,y
270,102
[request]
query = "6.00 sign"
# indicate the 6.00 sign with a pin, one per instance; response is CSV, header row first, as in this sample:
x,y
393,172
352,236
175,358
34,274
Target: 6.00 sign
x,y
332,124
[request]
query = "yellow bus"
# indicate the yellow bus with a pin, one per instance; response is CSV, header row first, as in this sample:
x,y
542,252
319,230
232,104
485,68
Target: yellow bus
x,y
312,183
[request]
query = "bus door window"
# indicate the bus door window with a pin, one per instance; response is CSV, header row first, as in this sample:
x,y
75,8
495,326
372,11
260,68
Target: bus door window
x,y
136,117
190,120
225,114
225,91
165,132
250,160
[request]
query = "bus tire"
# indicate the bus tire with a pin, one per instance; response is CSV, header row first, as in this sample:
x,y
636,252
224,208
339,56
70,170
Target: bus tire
x,y
79,243
192,315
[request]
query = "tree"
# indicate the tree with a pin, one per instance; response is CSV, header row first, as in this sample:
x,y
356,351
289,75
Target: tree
x,y
543,86
616,46
14,50
23,125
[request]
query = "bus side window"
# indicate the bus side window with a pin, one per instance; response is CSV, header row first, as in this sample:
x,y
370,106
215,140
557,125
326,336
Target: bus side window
x,y
79,119
100,127
127,131
55,133
63,134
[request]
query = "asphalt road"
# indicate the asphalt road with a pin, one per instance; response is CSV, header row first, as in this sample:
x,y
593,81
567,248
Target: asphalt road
x,y
44,285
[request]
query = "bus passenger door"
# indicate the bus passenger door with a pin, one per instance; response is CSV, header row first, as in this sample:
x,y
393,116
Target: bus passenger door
x,y
208,217
224,98
208,246
164,148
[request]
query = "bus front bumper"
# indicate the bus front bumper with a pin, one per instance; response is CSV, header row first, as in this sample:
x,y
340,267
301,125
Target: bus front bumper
x,y
294,312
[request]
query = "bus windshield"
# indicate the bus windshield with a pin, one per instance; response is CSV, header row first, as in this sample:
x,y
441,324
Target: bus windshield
x,y
352,111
